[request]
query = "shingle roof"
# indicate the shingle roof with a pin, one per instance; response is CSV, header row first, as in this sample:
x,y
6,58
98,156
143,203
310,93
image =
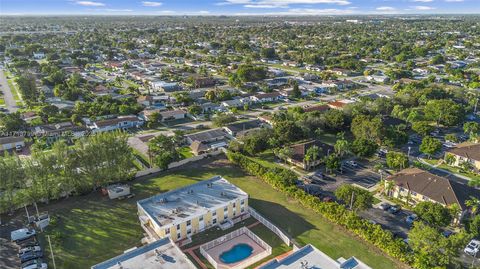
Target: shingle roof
x,y
467,150
299,150
439,189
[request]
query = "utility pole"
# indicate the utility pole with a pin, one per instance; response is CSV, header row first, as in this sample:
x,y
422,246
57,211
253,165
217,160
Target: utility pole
x,y
28,215
51,251
351,201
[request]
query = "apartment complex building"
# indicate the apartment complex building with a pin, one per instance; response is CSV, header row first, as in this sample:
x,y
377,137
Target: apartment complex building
x,y
180,213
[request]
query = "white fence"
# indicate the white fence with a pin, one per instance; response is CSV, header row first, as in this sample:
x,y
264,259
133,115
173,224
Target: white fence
x,y
249,261
179,163
285,238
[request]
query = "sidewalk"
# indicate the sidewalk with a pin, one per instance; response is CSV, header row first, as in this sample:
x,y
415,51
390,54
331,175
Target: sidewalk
x,y
443,170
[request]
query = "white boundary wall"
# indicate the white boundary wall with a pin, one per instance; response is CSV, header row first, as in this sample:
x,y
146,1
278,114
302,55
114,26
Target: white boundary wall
x,y
285,238
249,261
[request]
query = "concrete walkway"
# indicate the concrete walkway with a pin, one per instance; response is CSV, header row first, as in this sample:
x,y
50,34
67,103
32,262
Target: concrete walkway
x,y
433,167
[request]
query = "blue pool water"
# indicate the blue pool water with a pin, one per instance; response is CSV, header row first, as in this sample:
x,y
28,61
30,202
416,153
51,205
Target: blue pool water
x,y
237,253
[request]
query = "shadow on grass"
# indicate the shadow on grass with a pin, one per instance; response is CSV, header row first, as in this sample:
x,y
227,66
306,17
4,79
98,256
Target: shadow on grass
x,y
283,218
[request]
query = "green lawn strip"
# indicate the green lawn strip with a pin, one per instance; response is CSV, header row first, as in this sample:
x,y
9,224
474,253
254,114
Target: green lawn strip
x,y
92,228
2,102
306,226
141,157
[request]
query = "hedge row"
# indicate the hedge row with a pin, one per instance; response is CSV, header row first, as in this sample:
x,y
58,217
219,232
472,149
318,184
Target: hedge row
x,y
283,180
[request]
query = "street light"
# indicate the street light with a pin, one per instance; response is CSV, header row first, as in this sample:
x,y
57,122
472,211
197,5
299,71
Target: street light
x,y
409,148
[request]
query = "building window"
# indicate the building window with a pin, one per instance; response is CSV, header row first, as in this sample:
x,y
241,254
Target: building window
x,y
243,210
179,236
225,208
178,227
242,202
201,218
214,221
414,193
189,231
189,222
214,213
234,205
167,231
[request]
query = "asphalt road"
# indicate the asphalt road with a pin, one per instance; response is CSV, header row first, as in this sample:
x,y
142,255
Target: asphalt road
x,y
10,103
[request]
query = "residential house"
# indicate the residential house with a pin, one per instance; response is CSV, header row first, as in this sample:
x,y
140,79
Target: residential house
x,y
209,136
300,150
118,123
414,185
53,132
339,104
173,115
203,82
11,142
181,213
239,129
266,97
38,55
465,152
163,86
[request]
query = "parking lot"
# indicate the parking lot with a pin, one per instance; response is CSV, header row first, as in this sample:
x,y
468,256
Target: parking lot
x,y
393,222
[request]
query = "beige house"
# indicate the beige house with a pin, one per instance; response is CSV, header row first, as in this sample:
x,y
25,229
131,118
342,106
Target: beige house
x,y
465,152
183,212
414,185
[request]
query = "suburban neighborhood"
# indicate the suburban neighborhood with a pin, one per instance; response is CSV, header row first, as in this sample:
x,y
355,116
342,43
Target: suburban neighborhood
x,y
239,141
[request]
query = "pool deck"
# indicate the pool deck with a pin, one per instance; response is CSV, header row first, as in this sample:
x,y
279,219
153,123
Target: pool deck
x,y
215,252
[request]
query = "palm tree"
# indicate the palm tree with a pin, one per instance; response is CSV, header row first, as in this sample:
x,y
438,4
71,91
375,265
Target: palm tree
x,y
455,210
312,155
386,186
474,204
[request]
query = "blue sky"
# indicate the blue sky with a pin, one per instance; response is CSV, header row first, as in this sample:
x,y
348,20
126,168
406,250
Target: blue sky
x,y
237,7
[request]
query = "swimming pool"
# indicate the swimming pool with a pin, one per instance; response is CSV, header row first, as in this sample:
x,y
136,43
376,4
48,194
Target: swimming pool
x,y
236,253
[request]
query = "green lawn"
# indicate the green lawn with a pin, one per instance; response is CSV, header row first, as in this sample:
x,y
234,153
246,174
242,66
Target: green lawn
x,y
2,102
91,228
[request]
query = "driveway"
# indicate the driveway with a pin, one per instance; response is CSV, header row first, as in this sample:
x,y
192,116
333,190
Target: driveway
x,y
10,103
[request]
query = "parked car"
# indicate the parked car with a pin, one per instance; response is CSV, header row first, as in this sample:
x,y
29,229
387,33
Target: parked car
x,y
394,209
352,163
35,264
22,234
28,249
385,206
447,233
411,218
31,256
29,242
472,247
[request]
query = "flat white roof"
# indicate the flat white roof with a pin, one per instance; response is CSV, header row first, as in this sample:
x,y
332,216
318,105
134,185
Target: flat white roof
x,y
161,254
183,204
310,257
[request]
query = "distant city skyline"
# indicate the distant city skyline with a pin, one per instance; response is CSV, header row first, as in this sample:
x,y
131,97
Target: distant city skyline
x,y
237,7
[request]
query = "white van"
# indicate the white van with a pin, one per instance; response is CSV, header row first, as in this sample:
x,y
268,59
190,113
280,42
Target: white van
x,y
22,234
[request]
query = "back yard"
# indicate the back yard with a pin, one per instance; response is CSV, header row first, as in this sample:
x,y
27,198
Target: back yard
x,y
89,229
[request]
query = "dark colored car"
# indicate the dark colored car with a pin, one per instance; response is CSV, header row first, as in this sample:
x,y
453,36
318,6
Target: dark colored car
x,y
385,206
394,209
31,255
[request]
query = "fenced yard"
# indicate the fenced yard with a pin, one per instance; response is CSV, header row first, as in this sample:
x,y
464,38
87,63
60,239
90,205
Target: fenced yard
x,y
90,229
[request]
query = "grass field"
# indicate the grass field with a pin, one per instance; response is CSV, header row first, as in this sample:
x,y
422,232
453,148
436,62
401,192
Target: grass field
x,y
90,229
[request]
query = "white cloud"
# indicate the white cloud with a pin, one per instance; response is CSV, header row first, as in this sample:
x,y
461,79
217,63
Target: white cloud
x,y
151,4
302,12
422,8
280,3
385,9
90,3
422,1
454,1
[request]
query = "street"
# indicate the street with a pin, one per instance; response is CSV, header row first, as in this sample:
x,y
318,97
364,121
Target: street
x,y
10,103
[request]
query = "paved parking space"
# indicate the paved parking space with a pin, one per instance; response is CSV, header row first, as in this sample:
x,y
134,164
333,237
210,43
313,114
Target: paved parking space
x,y
392,222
